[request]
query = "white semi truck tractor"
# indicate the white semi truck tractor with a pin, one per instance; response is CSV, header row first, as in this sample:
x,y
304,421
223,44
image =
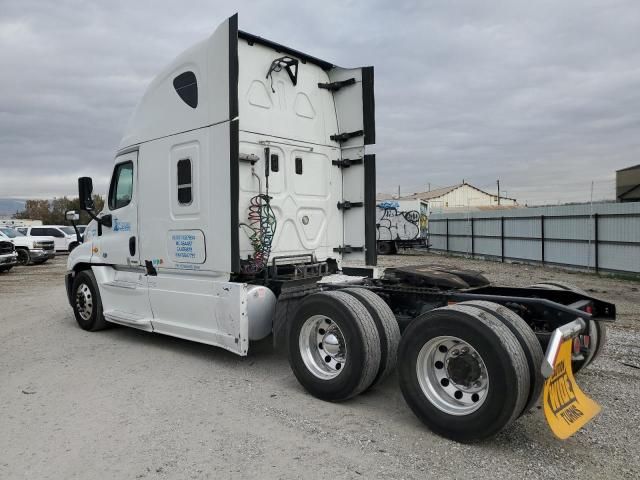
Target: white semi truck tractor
x,y
240,194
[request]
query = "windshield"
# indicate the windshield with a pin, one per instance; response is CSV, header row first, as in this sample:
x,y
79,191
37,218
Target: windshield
x,y
11,233
68,230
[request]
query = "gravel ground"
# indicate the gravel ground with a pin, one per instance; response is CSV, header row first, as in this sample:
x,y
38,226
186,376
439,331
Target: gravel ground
x,y
128,404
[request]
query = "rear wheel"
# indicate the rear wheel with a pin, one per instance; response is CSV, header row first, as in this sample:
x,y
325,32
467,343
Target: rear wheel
x,y
86,302
334,346
528,341
388,330
463,372
24,257
384,248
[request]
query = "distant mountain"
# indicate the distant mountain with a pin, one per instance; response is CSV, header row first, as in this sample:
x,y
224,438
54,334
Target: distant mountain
x,y
9,206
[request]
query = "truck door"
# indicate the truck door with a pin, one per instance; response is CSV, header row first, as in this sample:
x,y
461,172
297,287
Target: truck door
x,y
122,282
355,109
118,244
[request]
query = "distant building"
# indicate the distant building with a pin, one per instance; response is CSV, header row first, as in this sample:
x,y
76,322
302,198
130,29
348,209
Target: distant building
x,y
462,196
628,184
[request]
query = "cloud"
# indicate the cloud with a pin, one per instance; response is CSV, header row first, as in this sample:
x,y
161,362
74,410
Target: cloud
x,y
542,95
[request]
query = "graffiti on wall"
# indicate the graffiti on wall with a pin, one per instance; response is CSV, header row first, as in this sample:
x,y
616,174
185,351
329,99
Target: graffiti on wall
x,y
394,224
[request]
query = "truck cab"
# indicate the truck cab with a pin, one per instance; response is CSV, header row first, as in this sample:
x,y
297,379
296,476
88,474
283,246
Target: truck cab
x,y
227,170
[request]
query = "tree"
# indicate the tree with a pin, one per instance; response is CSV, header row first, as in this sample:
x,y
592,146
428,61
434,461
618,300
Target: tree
x,y
52,212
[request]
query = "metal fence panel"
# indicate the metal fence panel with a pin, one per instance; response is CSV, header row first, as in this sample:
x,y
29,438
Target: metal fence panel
x,y
488,246
599,236
620,257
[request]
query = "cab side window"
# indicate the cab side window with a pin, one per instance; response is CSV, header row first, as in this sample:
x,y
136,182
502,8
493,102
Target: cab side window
x,y
184,181
121,188
39,232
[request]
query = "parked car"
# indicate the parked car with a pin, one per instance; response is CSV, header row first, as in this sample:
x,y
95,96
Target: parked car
x,y
8,255
29,249
64,236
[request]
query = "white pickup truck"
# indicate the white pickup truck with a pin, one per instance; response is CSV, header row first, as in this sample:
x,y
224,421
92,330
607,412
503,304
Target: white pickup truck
x,y
8,257
30,250
64,237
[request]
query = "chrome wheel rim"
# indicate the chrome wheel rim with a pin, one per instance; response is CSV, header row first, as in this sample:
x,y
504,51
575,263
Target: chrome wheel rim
x,y
84,301
452,375
322,347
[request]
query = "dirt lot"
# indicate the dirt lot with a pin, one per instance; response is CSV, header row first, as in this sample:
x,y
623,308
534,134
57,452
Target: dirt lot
x,y
128,404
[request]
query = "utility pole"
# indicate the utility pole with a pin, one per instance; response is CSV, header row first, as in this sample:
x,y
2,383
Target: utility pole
x,y
398,191
498,182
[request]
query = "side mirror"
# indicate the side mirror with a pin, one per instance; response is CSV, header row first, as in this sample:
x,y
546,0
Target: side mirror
x,y
72,216
85,192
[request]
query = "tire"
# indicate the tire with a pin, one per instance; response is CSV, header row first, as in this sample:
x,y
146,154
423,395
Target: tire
x,y
5,269
333,377
86,302
388,330
24,256
601,330
72,246
475,415
384,248
597,329
528,341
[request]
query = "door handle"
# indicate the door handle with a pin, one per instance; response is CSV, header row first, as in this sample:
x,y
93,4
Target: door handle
x,y
132,246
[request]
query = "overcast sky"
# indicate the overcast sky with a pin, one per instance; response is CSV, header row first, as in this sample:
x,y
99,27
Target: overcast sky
x,y
543,95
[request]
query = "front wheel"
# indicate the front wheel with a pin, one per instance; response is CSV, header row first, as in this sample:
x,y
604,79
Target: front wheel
x,y
24,257
463,372
86,302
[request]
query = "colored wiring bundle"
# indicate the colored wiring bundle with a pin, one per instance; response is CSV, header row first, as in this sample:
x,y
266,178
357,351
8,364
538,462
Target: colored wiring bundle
x,y
260,229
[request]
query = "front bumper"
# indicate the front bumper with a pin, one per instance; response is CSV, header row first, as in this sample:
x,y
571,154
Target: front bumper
x,y
8,260
37,254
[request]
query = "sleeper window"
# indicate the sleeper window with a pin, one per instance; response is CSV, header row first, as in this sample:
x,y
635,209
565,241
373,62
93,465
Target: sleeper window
x,y
186,87
184,182
121,189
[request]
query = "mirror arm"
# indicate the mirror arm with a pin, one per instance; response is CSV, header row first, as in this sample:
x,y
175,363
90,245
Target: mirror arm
x,y
105,220
79,237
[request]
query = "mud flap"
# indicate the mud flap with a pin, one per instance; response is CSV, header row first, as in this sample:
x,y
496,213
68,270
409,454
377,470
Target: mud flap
x,y
566,407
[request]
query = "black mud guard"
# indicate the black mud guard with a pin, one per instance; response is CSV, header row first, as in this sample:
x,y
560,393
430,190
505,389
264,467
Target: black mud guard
x,y
288,302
